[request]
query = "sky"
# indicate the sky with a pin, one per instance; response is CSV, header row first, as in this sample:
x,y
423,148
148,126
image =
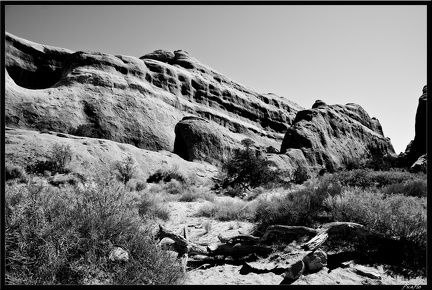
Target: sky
x,y
372,55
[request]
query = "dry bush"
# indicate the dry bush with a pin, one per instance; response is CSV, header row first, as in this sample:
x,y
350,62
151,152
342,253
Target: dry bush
x,y
194,193
162,175
399,218
64,235
15,172
365,178
300,206
227,210
125,169
415,187
392,215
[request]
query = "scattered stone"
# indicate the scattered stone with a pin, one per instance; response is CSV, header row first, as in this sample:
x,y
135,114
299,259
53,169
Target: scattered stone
x,y
364,271
118,254
295,270
315,261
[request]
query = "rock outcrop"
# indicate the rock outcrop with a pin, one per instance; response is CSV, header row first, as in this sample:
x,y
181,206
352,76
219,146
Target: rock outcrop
x,y
170,101
132,100
328,135
200,139
417,147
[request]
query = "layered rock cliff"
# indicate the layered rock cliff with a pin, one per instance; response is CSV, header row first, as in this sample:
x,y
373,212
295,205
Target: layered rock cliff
x,y
329,135
132,100
170,101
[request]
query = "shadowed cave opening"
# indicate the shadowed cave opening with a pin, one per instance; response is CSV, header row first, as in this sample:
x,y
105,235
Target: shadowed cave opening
x,y
180,148
44,77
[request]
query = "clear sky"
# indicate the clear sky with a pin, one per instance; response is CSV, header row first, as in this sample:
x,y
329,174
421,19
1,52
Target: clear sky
x,y
372,55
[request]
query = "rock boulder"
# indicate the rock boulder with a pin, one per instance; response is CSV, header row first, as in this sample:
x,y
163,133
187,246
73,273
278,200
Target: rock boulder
x,y
328,135
417,147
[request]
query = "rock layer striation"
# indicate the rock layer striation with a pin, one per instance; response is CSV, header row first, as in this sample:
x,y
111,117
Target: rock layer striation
x,y
170,101
132,100
330,135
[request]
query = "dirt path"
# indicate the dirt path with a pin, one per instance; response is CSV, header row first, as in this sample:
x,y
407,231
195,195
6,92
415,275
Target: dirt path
x,y
228,272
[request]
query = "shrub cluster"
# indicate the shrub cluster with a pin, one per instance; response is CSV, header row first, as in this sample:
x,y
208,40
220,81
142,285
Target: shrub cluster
x,y
125,169
15,172
64,236
395,180
399,218
301,206
166,176
57,160
227,210
247,169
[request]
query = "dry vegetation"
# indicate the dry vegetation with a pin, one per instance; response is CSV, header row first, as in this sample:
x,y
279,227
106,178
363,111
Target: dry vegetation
x,y
63,234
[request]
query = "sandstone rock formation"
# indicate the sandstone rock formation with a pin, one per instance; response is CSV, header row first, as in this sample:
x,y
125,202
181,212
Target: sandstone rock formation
x,y
417,147
24,147
199,139
132,100
420,165
327,135
170,101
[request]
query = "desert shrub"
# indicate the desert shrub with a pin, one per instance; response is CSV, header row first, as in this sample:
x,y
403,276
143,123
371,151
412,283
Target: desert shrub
x,y
86,130
302,206
396,217
136,185
58,180
300,175
166,176
194,193
64,236
125,169
353,163
15,172
226,210
246,169
139,186
393,215
271,149
174,187
365,178
415,187
40,167
151,207
60,156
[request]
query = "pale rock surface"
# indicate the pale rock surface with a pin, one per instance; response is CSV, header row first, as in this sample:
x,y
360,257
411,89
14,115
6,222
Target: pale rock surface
x,y
329,134
118,254
132,100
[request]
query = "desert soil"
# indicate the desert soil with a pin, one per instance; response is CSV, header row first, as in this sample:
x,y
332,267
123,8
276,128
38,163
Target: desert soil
x,y
228,272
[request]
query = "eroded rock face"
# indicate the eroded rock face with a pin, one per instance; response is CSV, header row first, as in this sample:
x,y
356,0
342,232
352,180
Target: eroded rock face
x,y
417,147
132,100
420,165
328,134
200,139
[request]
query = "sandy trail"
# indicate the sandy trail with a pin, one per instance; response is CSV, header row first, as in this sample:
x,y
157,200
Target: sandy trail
x,y
228,272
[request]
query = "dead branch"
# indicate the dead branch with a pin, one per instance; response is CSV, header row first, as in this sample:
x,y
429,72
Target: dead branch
x,y
248,244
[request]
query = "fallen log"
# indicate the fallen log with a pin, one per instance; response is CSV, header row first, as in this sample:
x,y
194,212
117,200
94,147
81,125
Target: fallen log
x,y
242,245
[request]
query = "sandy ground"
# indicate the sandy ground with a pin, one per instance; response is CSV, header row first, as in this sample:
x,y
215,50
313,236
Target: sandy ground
x,y
229,272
